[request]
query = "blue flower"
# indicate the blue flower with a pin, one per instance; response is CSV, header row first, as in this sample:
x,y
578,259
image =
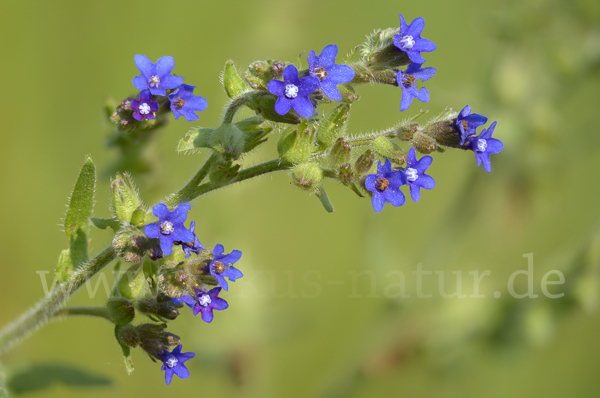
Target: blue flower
x,y
415,174
184,103
293,92
192,246
144,108
484,146
385,185
221,267
185,298
466,123
206,302
156,77
173,363
328,72
169,228
407,81
410,41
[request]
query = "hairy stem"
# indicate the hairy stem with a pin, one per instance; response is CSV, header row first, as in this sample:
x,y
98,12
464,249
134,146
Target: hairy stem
x,y
101,312
186,193
45,309
233,107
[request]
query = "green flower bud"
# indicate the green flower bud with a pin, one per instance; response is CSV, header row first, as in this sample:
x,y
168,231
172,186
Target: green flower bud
x,y
364,163
228,141
423,143
127,335
386,149
120,311
260,73
154,340
307,176
124,197
341,151
131,244
332,125
444,133
296,146
165,310
233,83
346,174
132,284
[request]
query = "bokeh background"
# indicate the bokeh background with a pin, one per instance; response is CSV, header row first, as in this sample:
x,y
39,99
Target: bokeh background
x,y
534,66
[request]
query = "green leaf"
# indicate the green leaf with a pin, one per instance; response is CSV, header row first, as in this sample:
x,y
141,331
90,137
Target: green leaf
x,y
103,223
82,201
197,138
126,352
322,195
233,83
64,269
41,376
332,126
3,390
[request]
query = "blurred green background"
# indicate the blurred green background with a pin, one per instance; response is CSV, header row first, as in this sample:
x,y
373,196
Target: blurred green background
x,y
534,66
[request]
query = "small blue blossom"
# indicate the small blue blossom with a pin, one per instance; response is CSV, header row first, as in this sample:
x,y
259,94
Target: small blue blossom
x,y
328,72
484,146
221,267
293,92
156,77
173,363
385,185
169,228
407,81
184,103
415,174
193,246
466,123
410,41
185,298
206,302
144,108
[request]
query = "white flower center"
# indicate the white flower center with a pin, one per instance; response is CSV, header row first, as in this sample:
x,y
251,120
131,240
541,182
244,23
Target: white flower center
x,y
166,227
411,174
481,145
291,91
171,361
154,81
144,108
204,300
407,42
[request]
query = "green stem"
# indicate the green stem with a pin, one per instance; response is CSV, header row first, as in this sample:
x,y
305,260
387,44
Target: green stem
x,y
45,309
101,312
246,174
186,193
233,107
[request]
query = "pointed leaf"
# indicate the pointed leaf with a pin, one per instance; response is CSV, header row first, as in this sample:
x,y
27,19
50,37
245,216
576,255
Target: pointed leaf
x,y
322,195
82,200
233,83
197,138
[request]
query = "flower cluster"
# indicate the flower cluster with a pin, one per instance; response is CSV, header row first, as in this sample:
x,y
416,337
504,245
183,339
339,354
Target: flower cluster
x,y
324,75
196,273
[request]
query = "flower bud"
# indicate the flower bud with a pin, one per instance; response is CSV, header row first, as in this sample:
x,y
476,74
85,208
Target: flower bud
x,y
260,73
307,176
127,335
165,310
385,148
120,311
124,197
297,144
154,340
423,143
346,174
364,162
332,125
445,133
277,70
405,133
131,247
132,284
341,151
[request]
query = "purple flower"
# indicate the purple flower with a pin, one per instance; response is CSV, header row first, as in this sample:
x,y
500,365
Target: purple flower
x,y
293,92
407,81
169,228
184,103
193,246
173,363
206,302
156,77
328,72
415,174
410,41
466,123
221,267
144,108
484,145
385,186
186,298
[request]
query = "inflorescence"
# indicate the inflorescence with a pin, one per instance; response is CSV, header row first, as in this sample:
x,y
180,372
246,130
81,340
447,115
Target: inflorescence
x,y
171,268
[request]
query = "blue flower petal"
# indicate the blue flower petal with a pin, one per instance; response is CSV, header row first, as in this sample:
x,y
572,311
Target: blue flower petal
x,y
424,45
152,231
415,192
416,27
276,87
303,106
164,66
140,82
328,55
378,202
283,105
494,146
290,75
145,66
181,371
330,90
231,258
160,210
